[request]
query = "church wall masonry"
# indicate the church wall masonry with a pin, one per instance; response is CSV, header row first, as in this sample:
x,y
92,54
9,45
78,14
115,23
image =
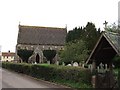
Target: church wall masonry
x,y
41,47
38,49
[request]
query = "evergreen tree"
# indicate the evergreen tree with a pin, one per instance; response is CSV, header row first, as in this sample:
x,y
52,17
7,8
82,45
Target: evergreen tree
x,y
74,34
91,35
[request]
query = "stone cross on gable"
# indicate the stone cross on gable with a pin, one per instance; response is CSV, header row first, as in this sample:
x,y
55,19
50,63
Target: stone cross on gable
x,y
105,23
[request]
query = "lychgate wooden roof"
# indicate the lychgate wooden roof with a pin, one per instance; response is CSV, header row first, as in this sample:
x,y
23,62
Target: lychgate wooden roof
x,y
106,48
41,35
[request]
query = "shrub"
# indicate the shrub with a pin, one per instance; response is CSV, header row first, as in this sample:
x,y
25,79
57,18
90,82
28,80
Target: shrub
x,y
49,54
24,54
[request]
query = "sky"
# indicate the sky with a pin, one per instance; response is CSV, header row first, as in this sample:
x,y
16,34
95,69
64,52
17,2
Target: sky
x,y
52,13
119,13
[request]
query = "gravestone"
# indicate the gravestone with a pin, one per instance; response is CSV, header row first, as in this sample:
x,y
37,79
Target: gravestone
x,y
72,63
80,64
35,63
63,63
75,64
106,66
83,65
48,62
57,62
69,65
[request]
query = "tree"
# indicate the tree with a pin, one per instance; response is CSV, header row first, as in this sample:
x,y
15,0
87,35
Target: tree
x,y
74,34
89,34
76,52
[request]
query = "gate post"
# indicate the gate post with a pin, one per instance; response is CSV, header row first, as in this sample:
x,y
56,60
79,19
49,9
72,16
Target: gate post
x,y
93,81
93,65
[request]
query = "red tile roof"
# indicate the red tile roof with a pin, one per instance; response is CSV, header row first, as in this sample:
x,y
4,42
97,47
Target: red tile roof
x,y
8,54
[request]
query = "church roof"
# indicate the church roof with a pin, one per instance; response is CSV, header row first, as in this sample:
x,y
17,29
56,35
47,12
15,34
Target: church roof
x,y
106,47
36,35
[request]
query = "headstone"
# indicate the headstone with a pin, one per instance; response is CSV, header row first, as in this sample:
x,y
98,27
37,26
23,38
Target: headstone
x,y
57,62
113,65
83,65
63,63
101,66
35,63
105,66
69,65
80,64
48,62
72,63
91,67
75,64
98,69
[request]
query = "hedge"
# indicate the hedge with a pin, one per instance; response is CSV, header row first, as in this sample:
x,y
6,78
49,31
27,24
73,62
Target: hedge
x,y
52,72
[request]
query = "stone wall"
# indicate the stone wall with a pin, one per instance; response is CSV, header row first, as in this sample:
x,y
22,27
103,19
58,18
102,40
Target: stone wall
x,y
38,49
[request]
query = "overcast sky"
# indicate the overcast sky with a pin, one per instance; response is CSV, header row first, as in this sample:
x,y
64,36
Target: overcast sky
x,y
52,13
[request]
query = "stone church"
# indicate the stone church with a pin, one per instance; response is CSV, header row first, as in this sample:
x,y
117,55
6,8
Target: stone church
x,y
38,39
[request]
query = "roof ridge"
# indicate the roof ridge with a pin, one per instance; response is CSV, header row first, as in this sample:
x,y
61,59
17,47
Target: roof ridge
x,y
41,27
113,33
